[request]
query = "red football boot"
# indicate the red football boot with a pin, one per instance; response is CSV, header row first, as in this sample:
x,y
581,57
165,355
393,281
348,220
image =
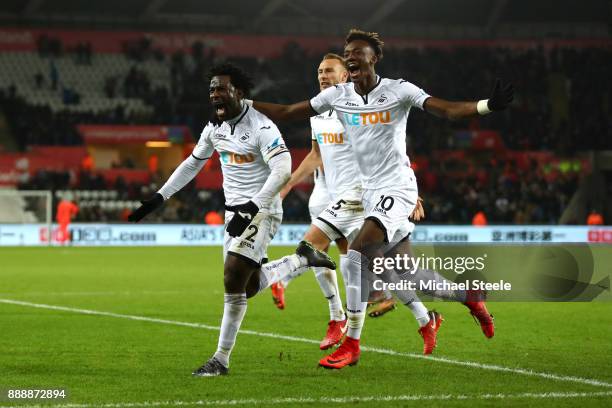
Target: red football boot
x,y
347,354
476,303
278,295
430,331
335,331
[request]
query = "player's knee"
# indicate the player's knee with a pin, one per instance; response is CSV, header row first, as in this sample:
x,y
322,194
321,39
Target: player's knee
x,y
370,235
356,245
360,243
252,287
235,275
317,238
230,283
342,245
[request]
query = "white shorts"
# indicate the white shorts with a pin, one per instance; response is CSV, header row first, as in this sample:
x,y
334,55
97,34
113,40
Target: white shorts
x,y
341,219
319,200
254,241
390,207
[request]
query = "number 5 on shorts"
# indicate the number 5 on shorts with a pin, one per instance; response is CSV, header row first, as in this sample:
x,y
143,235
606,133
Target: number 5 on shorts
x,y
338,205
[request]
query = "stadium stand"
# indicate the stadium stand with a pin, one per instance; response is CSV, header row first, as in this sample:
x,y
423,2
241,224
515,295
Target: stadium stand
x,y
88,81
46,94
15,209
558,108
505,192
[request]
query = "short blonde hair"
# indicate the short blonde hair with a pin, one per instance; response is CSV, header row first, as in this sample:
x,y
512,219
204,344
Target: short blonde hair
x,y
332,56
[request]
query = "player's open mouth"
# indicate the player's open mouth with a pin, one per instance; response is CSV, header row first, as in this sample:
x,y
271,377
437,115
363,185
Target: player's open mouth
x,y
219,108
353,68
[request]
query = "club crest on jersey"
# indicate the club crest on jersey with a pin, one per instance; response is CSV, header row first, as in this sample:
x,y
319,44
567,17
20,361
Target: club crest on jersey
x,y
235,158
245,137
366,119
382,99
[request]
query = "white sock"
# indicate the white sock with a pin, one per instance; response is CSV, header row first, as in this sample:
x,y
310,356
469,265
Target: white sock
x,y
286,280
408,297
328,282
355,307
419,311
428,274
275,271
234,308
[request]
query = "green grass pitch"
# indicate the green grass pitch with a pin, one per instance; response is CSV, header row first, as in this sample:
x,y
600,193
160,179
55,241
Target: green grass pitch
x,y
544,354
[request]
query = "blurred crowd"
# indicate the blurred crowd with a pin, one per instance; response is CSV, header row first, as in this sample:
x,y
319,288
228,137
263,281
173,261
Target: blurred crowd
x,y
558,107
497,191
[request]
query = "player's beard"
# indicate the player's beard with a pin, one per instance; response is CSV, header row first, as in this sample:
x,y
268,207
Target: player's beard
x,y
214,119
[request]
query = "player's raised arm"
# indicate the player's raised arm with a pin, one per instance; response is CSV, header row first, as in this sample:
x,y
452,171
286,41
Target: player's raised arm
x,y
277,157
305,169
501,97
183,174
284,113
298,111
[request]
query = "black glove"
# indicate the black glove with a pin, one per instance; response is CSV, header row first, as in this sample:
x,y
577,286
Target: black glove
x,y
243,216
147,207
501,96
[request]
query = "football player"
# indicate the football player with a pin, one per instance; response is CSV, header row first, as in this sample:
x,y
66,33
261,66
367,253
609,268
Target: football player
x,y
374,112
256,164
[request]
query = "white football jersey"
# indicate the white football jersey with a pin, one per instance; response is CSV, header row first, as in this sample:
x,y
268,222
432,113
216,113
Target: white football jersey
x,y
376,126
339,163
245,147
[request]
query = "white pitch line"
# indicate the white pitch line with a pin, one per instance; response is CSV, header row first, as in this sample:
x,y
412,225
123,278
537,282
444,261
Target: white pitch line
x,y
522,371
328,400
112,293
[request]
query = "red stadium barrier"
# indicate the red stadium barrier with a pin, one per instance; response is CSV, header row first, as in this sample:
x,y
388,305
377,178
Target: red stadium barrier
x,y
111,134
268,46
209,180
17,167
129,175
601,235
71,156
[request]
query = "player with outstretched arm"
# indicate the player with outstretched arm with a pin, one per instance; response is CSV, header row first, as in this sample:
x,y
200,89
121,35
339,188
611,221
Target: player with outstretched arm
x,y
340,219
255,165
374,113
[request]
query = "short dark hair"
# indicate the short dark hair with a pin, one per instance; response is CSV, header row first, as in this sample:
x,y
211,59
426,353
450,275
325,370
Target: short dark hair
x,y
373,39
238,77
331,55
